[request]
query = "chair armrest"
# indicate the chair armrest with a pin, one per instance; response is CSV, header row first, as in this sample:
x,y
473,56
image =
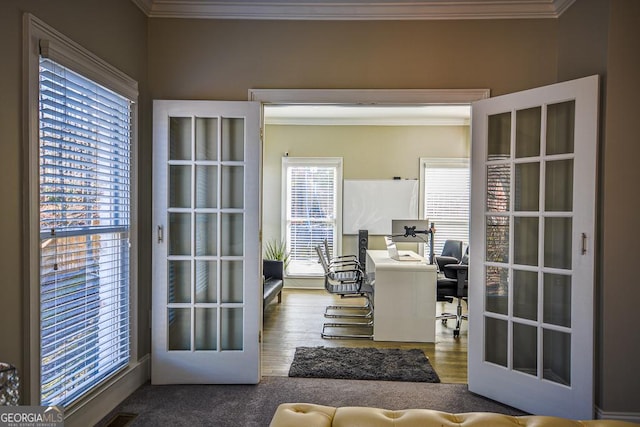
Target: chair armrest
x,y
344,258
462,272
443,261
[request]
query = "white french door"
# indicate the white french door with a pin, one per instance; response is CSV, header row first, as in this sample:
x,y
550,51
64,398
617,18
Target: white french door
x,y
531,306
206,294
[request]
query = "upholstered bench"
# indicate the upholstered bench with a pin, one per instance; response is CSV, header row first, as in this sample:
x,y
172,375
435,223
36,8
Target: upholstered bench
x,y
273,281
311,415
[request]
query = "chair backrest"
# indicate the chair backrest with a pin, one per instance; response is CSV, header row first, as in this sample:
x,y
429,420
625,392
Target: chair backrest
x,y
465,257
327,250
452,248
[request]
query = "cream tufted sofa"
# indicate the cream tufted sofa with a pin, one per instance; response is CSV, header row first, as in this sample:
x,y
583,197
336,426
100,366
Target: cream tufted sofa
x,y
310,415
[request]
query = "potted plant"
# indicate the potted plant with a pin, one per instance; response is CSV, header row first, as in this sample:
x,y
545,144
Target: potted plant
x,y
276,250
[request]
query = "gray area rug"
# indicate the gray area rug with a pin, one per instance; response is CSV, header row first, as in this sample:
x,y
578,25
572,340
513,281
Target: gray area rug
x,y
388,364
254,405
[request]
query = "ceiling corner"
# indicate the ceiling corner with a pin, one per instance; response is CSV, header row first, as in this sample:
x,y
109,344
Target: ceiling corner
x,y
562,5
144,5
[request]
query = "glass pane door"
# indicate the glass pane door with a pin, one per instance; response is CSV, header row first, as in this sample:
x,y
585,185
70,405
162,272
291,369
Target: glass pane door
x,y
207,280
533,198
520,288
205,234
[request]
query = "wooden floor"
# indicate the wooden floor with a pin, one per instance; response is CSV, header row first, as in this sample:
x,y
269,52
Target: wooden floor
x,y
297,321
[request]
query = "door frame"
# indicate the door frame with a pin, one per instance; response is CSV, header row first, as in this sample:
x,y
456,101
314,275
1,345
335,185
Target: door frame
x,y
389,97
396,97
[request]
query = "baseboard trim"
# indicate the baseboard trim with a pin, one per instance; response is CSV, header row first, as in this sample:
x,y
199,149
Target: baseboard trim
x,y
633,417
111,395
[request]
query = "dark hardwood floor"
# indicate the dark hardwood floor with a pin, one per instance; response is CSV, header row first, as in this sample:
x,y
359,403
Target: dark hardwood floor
x,y
297,321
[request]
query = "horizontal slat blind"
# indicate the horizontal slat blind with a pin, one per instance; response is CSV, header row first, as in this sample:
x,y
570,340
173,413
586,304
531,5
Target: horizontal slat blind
x,y
310,215
447,201
85,203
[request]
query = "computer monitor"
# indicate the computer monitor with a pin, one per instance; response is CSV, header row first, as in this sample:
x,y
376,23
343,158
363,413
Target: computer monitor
x,y
400,227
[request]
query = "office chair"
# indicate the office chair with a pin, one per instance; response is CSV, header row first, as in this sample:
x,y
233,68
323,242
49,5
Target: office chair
x,y
454,283
451,253
346,270
346,279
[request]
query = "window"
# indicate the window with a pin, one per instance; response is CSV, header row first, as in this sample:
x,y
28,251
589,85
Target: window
x,y
81,156
312,195
446,198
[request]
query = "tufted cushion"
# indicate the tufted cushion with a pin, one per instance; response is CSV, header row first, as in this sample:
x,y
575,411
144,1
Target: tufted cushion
x,y
310,415
303,414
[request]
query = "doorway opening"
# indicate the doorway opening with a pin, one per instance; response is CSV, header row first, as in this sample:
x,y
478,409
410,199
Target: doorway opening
x,y
386,116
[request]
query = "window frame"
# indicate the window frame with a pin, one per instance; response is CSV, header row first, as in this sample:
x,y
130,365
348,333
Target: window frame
x,y
41,40
459,162
336,162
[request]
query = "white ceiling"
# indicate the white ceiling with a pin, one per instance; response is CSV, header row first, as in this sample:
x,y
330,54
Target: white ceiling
x,y
354,9
427,115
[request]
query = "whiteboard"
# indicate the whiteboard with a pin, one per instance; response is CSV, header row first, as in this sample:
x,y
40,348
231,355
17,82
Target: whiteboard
x,y
371,204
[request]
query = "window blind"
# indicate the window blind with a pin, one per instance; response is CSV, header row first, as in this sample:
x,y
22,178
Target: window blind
x,y
447,201
85,205
310,214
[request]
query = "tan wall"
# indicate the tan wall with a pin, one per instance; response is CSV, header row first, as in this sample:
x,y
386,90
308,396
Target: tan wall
x,y
368,152
114,30
620,291
601,37
209,59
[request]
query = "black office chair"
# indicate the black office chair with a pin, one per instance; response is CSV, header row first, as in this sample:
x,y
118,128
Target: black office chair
x,y
451,253
453,282
347,279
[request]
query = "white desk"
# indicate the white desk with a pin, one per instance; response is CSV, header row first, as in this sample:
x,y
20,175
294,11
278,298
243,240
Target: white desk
x,y
404,298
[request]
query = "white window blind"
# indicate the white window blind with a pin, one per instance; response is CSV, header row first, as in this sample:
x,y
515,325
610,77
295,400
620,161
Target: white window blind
x,y
446,197
311,213
85,208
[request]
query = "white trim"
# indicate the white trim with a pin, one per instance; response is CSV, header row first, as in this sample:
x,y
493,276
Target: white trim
x,y
144,5
633,417
368,96
353,10
111,395
55,46
39,38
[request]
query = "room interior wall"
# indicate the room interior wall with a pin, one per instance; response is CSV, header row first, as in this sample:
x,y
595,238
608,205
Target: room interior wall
x,y
222,59
600,37
368,152
620,293
116,31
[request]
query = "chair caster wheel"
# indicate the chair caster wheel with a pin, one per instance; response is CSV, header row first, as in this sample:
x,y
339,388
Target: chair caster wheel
x,y
456,333
444,321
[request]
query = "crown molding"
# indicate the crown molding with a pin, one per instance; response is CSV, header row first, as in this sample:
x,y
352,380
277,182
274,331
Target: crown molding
x,y
144,5
354,10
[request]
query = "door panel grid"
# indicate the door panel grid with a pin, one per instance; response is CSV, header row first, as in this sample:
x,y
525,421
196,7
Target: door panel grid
x,y
533,198
206,258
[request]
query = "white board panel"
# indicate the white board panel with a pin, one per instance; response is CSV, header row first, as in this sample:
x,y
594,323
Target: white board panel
x,y
371,204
